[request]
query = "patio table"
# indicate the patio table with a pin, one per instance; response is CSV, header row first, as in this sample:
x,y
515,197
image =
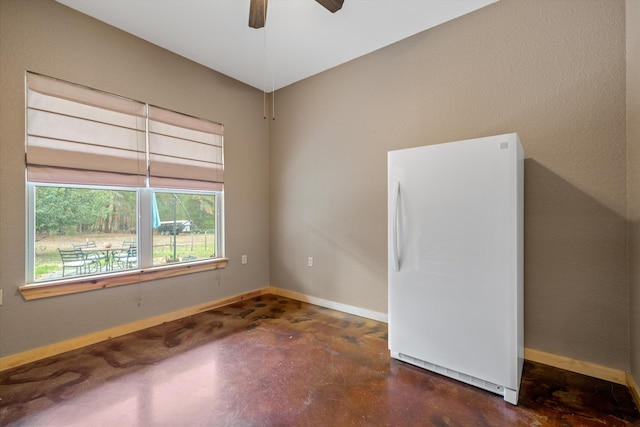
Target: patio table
x,y
108,255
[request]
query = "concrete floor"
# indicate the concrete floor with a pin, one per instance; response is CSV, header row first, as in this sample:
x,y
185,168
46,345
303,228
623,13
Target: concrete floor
x,y
273,361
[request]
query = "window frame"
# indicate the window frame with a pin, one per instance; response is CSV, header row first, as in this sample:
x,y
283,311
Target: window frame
x,y
145,271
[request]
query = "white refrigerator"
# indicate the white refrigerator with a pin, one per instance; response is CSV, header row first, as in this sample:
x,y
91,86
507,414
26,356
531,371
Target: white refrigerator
x,y
455,233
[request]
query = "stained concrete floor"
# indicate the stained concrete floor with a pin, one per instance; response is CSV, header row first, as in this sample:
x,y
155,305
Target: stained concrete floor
x,y
273,361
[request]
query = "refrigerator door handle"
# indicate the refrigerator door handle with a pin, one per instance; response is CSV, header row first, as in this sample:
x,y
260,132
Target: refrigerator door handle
x,y
396,255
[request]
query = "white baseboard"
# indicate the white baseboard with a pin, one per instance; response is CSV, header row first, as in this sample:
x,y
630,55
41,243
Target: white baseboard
x,y
357,311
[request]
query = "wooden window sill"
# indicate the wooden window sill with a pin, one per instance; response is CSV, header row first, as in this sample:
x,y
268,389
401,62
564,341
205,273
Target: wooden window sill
x,y
91,283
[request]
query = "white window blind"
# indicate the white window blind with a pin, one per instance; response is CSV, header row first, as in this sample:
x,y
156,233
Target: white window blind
x,y
184,151
77,135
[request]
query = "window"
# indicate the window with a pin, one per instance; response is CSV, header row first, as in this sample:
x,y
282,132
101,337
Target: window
x,y
115,185
185,226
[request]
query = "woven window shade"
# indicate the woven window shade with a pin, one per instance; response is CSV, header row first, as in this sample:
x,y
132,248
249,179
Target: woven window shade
x,y
77,135
184,152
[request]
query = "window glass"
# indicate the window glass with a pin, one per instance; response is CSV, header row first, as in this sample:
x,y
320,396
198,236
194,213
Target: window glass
x,y
82,231
184,226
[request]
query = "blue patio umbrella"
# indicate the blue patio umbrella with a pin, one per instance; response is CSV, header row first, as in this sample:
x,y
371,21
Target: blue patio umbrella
x,y
154,211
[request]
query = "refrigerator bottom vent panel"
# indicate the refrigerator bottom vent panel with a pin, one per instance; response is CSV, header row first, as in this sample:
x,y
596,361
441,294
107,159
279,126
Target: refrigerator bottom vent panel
x,y
476,382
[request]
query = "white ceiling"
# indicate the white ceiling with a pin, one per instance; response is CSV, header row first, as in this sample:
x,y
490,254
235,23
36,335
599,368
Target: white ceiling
x,y
300,39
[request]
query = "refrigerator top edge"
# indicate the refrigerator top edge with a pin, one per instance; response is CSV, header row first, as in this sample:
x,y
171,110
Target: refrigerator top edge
x,y
509,137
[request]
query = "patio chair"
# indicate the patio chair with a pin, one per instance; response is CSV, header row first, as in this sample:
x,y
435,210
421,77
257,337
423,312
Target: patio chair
x,y
98,256
75,259
120,257
127,258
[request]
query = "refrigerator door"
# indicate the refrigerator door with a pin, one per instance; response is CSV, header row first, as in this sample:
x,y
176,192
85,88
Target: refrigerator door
x,y
452,256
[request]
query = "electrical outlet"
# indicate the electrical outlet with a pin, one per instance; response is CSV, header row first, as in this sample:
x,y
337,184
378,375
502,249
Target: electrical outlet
x,y
244,259
310,261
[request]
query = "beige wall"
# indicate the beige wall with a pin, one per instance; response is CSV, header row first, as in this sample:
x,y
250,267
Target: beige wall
x,y
553,71
46,37
633,178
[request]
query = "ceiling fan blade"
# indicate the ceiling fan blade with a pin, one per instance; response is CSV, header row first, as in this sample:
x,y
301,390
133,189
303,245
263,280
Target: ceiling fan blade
x,y
257,13
331,5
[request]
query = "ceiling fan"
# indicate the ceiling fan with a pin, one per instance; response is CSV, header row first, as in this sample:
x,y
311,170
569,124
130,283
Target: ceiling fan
x,y
258,10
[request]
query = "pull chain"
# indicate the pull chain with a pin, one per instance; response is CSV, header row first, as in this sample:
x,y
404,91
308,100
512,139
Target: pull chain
x,y
264,75
273,72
